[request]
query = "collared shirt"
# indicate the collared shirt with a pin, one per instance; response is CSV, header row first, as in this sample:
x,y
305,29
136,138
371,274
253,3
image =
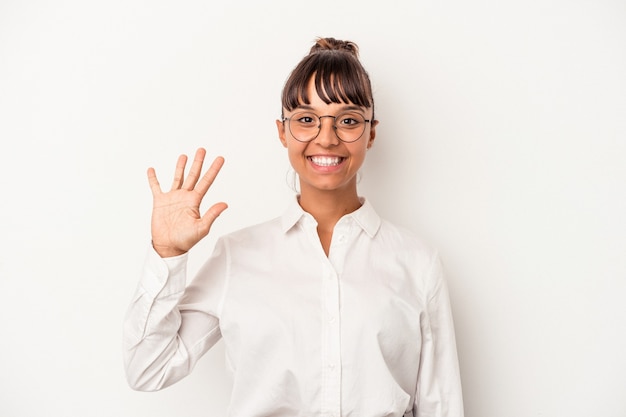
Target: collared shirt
x,y
365,331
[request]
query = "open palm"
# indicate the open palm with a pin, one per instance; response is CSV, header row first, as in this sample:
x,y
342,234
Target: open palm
x,y
177,224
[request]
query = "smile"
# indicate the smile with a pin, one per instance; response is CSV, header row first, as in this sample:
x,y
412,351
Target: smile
x,y
326,161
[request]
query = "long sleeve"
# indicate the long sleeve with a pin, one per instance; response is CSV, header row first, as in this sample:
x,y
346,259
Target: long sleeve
x,y
162,342
439,391
365,331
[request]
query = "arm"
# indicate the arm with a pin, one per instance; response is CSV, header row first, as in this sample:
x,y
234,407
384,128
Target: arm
x,y
439,385
162,341
169,327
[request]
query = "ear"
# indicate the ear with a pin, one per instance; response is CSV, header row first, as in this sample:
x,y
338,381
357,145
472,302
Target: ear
x,y
370,141
280,125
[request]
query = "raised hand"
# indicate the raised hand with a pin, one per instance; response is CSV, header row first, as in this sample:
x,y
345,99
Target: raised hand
x,y
176,221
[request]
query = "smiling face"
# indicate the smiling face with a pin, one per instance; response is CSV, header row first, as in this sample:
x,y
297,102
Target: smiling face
x,y
326,164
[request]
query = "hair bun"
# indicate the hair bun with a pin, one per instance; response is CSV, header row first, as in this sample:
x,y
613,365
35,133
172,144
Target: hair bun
x,y
332,44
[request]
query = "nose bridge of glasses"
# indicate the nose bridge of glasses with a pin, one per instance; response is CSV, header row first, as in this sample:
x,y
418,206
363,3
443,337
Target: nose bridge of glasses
x,y
334,136
334,121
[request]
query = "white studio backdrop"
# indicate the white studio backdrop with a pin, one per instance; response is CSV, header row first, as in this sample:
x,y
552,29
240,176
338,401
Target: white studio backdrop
x,y
502,141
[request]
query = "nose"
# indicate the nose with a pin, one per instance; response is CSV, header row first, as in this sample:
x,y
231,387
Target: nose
x,y
327,135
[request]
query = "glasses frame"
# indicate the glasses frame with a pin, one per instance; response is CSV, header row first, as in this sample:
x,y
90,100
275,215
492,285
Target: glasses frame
x,y
319,126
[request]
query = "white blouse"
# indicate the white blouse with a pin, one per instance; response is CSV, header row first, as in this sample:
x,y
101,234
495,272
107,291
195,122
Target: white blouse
x,y
366,331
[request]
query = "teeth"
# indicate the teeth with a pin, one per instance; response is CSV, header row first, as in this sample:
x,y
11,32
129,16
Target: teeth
x,y
326,161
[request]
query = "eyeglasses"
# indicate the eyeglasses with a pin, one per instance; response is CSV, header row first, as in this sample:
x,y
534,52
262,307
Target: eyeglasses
x,y
306,126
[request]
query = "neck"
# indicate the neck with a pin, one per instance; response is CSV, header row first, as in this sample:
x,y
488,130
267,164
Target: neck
x,y
327,207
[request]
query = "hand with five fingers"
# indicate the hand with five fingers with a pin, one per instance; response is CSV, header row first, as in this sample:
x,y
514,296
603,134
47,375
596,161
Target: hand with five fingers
x,y
177,224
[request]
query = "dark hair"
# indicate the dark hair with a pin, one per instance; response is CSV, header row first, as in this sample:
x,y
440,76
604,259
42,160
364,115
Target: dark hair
x,y
339,76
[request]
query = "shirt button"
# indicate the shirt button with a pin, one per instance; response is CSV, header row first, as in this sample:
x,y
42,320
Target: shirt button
x,y
331,319
342,238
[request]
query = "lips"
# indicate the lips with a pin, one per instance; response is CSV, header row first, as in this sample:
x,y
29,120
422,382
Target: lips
x,y
326,161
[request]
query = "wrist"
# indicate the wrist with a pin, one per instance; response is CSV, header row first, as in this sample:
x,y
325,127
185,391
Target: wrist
x,y
165,251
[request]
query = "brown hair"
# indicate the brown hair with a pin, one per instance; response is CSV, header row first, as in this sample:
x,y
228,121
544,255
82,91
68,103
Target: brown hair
x,y
338,73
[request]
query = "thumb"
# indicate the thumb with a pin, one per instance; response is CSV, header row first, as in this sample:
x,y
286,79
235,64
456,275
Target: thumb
x,y
213,213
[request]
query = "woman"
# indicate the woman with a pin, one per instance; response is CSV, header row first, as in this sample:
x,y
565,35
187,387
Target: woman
x,y
326,310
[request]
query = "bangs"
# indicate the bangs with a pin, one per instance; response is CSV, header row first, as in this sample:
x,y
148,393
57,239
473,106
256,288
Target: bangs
x,y
339,78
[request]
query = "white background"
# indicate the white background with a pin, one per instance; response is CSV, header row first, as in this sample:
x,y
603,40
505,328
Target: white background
x,y
502,141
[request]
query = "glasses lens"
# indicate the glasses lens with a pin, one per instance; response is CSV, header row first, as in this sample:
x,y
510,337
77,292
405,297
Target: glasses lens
x,y
350,126
304,126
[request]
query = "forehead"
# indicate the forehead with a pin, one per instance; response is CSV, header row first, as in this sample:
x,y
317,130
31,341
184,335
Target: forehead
x,y
318,103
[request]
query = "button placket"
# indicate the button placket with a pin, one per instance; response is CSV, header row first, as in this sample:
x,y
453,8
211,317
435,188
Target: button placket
x,y
332,344
331,321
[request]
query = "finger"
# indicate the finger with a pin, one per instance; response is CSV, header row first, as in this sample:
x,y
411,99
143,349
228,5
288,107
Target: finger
x,y
195,170
207,179
213,213
179,172
155,187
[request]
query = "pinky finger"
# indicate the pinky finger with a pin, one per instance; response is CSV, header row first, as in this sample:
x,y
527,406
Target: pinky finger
x,y
155,187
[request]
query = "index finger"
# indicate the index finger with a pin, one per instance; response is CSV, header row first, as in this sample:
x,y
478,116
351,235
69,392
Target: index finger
x,y
207,179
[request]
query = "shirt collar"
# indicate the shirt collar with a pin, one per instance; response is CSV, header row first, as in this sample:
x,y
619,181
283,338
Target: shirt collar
x,y
365,216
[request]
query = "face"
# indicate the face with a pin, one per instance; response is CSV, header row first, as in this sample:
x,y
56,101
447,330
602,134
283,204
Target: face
x,y
326,163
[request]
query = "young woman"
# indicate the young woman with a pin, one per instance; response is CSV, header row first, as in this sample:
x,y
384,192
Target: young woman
x,y
327,310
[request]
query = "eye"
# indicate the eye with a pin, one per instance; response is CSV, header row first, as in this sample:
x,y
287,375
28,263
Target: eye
x,y
305,119
349,121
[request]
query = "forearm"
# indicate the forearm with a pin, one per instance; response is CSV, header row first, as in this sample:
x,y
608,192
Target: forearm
x,y
439,392
154,355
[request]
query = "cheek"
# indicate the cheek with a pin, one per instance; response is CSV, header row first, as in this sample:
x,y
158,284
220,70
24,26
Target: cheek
x,y
292,157
359,152
295,151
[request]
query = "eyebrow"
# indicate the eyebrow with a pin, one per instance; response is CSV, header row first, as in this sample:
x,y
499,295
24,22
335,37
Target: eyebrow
x,y
346,108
